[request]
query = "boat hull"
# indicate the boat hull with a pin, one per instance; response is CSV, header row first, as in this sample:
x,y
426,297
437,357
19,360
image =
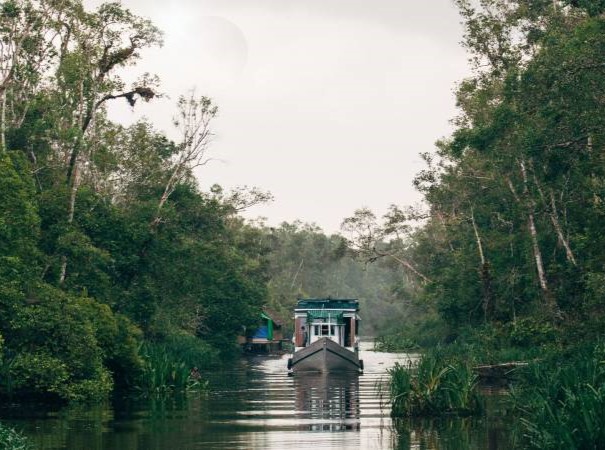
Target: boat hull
x,y
325,355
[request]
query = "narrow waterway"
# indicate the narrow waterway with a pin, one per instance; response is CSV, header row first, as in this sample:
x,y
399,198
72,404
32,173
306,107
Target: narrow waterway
x,y
256,405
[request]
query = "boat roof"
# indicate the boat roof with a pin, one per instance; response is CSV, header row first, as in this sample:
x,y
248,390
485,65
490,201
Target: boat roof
x,y
327,303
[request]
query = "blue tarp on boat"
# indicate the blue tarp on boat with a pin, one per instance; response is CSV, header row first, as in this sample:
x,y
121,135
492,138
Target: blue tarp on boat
x,y
262,333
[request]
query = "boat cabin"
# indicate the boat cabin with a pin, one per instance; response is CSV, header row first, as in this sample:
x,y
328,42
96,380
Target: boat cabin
x,y
267,338
335,319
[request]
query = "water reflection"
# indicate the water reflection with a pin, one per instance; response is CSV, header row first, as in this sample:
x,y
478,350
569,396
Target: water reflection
x,y
491,431
451,434
330,402
256,405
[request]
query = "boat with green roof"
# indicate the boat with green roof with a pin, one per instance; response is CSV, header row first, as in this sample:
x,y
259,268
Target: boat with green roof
x,y
326,336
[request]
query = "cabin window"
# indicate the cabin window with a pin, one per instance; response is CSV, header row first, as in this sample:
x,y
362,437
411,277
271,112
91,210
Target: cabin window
x,y
324,330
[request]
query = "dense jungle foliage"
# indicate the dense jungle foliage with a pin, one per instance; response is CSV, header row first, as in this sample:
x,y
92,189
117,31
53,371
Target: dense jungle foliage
x,y
106,242
509,246
507,257
116,270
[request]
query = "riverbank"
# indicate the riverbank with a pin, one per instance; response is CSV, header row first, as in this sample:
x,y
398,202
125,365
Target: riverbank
x,y
556,394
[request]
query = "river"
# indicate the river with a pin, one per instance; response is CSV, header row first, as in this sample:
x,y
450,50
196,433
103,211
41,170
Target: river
x,y
256,405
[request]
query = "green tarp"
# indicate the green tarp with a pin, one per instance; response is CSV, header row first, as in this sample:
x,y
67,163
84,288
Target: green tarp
x,y
269,320
328,303
321,314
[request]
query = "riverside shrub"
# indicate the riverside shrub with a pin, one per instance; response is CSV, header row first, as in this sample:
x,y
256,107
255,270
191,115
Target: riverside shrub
x,y
436,386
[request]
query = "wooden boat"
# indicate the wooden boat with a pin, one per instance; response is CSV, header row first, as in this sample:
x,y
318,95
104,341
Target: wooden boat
x,y
326,336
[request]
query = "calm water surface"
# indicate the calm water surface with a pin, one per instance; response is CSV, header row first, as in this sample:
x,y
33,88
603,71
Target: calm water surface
x,y
256,405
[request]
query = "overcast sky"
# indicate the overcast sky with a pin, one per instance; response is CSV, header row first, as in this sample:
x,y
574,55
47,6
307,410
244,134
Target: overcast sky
x,y
324,103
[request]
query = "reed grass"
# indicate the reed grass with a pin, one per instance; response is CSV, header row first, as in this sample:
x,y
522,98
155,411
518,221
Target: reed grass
x,y
562,402
10,439
172,366
436,386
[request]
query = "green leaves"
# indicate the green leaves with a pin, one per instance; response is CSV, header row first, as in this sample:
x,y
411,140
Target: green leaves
x,y
516,193
105,238
9,10
19,221
560,401
592,7
434,386
11,439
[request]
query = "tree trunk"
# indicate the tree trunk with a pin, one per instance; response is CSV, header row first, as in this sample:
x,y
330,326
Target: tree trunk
x,y
300,266
554,217
71,208
537,253
548,298
73,178
485,274
3,122
409,266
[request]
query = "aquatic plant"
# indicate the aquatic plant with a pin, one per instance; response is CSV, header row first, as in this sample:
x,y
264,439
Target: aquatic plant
x,y
436,386
173,365
10,439
561,402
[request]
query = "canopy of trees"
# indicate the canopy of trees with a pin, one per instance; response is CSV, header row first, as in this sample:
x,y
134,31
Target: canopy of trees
x,y
105,239
515,197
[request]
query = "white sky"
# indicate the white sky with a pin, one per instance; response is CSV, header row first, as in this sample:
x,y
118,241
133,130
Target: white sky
x,y
325,103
